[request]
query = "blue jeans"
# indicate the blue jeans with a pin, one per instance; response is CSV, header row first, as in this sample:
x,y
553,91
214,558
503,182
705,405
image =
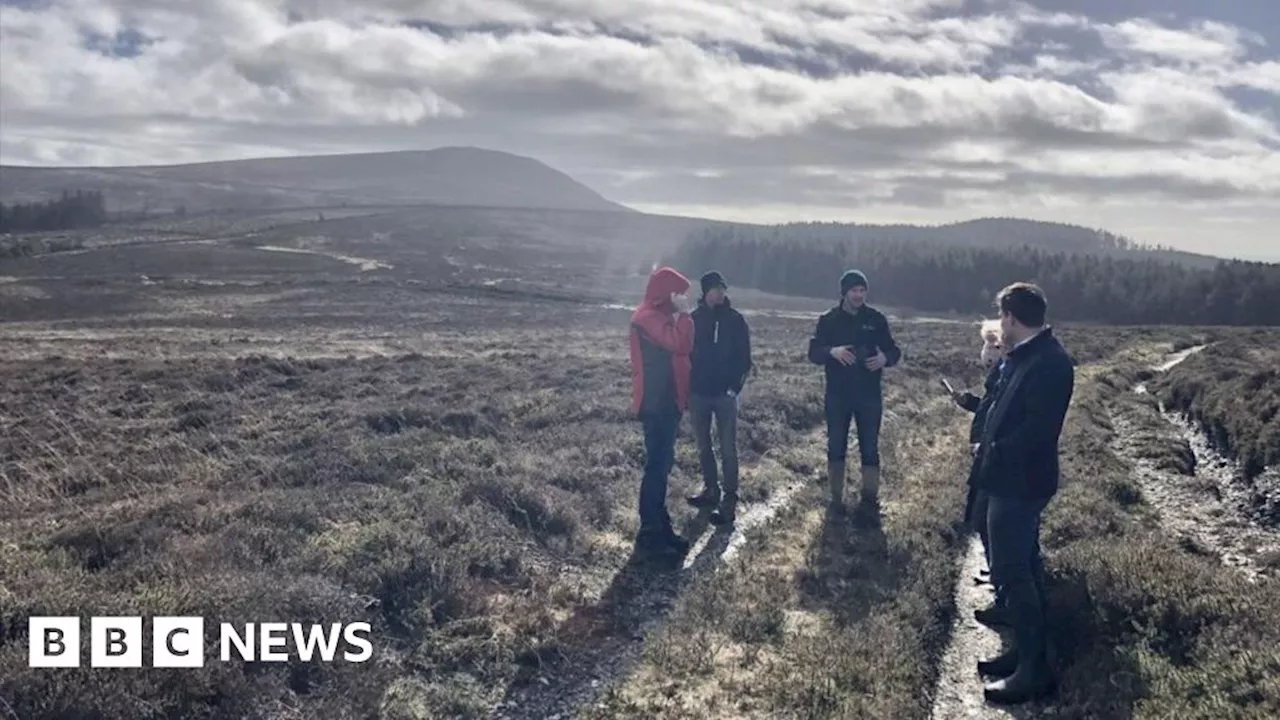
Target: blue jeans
x,y
864,413
1017,569
660,455
979,513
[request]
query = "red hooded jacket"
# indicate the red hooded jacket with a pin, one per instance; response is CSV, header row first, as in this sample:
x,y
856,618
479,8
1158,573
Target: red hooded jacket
x,y
661,345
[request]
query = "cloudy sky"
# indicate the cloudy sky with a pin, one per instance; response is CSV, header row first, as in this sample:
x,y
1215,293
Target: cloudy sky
x,y
1159,119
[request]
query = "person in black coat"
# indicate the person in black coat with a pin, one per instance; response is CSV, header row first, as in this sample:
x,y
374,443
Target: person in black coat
x,y
721,365
853,344
1018,470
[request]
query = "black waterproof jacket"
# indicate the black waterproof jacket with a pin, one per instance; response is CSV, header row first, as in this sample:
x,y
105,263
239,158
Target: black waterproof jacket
x,y
721,350
866,331
979,405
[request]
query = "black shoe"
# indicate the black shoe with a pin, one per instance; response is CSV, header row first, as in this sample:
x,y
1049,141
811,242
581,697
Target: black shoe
x,y
867,511
727,512
676,544
1023,686
705,499
649,551
994,616
1001,666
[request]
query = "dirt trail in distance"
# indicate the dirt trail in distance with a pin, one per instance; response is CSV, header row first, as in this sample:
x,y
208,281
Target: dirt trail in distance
x,y
1210,508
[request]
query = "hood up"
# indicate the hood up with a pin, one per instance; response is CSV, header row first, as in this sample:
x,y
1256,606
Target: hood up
x,y
663,282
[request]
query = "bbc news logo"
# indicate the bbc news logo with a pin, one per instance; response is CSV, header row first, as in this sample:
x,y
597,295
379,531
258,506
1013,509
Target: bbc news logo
x,y
179,642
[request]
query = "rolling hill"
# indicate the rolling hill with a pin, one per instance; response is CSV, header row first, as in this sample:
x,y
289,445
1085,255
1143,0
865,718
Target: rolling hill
x,y
476,177
458,176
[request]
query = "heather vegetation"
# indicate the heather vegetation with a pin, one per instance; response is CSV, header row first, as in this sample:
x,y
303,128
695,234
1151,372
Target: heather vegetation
x,y
442,449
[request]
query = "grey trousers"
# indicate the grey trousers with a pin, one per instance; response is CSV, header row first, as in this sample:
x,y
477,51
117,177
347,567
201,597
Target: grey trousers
x,y
724,409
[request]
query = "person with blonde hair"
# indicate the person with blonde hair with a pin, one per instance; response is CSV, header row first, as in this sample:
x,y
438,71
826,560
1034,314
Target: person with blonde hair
x,y
975,508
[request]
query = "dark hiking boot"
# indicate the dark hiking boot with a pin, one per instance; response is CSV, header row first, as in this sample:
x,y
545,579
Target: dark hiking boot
x,y
993,616
1001,666
1027,684
871,486
654,545
1033,678
835,478
727,512
676,544
708,498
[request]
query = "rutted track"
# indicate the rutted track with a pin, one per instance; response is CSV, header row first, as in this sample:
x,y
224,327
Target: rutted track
x,y
1208,509
958,693
609,658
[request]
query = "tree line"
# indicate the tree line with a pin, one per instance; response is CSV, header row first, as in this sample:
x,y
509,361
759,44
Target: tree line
x,y
982,232
941,277
79,209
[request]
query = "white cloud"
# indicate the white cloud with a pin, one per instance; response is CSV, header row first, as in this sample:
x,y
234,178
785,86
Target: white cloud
x,y
708,101
1204,42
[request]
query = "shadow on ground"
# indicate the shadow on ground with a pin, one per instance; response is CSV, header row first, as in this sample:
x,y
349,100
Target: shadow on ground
x,y
1095,678
602,641
850,569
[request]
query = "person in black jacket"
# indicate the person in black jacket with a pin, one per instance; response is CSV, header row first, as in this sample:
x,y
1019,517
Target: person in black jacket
x,y
721,364
853,344
1017,459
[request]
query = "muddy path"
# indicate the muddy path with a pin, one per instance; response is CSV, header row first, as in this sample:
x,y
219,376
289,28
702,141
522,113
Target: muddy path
x,y
1203,499
605,641
958,693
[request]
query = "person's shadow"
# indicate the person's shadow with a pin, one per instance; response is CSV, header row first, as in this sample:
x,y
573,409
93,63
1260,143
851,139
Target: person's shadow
x,y
602,640
849,570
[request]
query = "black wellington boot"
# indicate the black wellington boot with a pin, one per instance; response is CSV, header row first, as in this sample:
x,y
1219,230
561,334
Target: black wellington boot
x,y
996,615
1033,678
652,545
1027,684
1000,666
708,498
727,512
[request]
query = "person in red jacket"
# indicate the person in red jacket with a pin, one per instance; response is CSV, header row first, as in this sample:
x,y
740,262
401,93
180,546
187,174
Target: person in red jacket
x,y
661,346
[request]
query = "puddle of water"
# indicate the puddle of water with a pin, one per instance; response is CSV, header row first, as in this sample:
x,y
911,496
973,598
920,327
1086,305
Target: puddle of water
x,y
365,264
753,517
958,692
1178,358
1222,521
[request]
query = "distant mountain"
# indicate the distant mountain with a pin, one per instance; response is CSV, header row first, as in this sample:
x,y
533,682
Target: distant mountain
x,y
443,176
475,177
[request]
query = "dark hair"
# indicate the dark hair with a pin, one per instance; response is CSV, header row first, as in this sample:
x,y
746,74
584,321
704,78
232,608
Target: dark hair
x,y
1025,302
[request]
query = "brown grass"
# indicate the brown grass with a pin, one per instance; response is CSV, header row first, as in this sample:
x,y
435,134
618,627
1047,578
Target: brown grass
x,y
460,472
